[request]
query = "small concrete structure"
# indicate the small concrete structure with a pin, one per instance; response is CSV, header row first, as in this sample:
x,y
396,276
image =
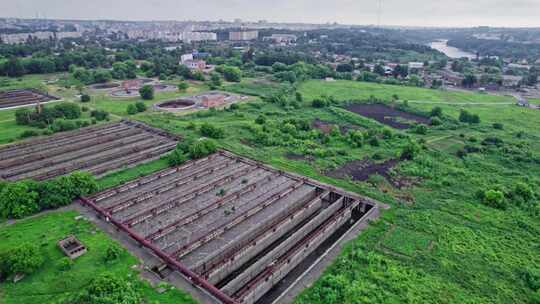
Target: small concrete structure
x,y
72,247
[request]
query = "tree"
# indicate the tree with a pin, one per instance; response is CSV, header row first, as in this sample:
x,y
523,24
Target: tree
x,y
14,67
25,259
344,68
211,131
102,76
177,157
202,148
215,80
18,200
147,92
379,69
421,129
436,112
469,81
232,74
107,289
85,98
495,199
132,109
141,107
183,86
410,151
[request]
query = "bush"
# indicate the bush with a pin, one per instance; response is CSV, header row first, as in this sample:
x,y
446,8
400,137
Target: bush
x,y
410,151
85,98
531,276
132,109
68,110
436,112
61,125
495,141
465,116
524,192
177,157
65,264
319,103
420,129
29,133
99,115
374,141
498,126
202,148
147,92
18,200
435,121
25,259
494,199
211,131
113,253
107,289
141,107
183,86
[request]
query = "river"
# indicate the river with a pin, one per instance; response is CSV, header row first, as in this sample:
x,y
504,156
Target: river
x,y
450,51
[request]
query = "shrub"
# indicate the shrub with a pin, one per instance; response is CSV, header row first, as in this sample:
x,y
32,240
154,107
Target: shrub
x,y
436,112
211,131
65,264
68,110
107,289
465,116
29,133
141,107
494,199
99,115
26,259
410,151
492,141
183,86
374,141
132,109
319,103
523,192
177,157
261,120
234,107
420,129
498,126
61,125
531,276
113,253
202,148
147,92
85,98
435,121
18,200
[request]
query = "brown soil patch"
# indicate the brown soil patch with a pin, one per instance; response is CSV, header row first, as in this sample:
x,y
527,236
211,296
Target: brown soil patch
x,y
326,127
360,170
386,115
293,156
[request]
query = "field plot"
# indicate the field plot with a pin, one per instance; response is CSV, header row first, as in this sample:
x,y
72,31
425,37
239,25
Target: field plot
x,y
231,225
18,98
387,115
98,150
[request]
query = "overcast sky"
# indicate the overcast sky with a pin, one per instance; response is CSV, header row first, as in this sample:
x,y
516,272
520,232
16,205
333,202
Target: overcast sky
x,y
462,13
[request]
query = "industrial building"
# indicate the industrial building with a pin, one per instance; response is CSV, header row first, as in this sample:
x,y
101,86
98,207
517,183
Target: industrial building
x,y
243,35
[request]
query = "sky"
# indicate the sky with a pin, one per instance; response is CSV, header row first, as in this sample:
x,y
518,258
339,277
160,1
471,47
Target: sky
x,y
454,13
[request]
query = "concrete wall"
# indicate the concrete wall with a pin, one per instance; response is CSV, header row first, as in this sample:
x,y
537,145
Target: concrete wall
x,y
278,274
243,278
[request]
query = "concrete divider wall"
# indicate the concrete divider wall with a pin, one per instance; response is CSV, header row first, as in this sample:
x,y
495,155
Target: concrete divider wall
x,y
247,253
243,278
294,260
241,239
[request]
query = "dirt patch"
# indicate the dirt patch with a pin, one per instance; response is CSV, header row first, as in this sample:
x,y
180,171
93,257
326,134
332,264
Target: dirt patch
x,y
361,170
326,127
386,115
294,156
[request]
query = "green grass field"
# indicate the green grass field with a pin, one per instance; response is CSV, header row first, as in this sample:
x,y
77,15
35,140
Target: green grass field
x,y
50,284
442,246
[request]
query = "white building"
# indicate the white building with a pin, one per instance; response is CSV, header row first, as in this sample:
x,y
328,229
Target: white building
x,y
198,36
243,35
186,57
416,65
23,37
281,38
